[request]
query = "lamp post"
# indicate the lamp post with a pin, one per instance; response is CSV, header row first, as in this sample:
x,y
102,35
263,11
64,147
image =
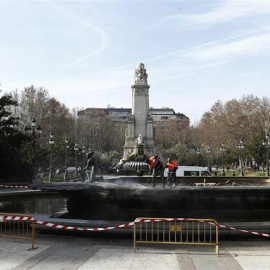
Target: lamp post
x,y
266,144
241,149
76,149
35,131
222,150
83,154
66,149
198,154
209,153
51,142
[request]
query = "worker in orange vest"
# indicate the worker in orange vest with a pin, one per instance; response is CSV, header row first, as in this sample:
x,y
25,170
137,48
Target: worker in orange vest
x,y
156,168
172,167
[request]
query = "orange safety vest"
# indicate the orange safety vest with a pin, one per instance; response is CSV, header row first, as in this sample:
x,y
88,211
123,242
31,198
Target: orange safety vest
x,y
151,161
172,164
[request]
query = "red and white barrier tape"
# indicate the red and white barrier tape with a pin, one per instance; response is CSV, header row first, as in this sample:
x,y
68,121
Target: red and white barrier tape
x,y
138,220
63,227
239,230
6,186
142,220
25,218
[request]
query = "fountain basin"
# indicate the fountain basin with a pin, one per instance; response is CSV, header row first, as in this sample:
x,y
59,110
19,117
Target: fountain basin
x,y
125,200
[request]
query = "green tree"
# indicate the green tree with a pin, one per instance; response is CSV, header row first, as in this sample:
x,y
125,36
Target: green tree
x,y
13,165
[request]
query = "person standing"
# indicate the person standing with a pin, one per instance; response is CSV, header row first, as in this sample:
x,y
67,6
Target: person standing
x,y
156,167
149,162
172,167
90,166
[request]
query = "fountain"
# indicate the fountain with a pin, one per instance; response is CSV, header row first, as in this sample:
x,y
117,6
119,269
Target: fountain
x,y
124,198
134,161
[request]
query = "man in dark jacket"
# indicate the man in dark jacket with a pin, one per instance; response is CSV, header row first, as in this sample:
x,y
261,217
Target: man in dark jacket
x,y
156,166
90,166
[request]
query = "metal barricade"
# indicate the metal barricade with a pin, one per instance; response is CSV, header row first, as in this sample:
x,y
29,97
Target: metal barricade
x,y
17,226
179,231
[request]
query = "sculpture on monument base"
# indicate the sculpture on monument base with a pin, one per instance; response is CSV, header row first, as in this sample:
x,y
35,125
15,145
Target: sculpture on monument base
x,y
138,152
140,139
134,160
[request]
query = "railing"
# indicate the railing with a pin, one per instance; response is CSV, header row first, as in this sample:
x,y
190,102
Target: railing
x,y
179,231
17,226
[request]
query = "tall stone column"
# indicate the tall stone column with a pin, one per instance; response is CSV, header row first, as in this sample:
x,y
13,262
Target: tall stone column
x,y
140,123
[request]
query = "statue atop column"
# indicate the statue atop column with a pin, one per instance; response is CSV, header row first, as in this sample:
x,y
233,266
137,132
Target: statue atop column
x,y
140,75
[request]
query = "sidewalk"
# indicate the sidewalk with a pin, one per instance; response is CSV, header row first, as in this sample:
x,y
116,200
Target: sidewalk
x,y
116,252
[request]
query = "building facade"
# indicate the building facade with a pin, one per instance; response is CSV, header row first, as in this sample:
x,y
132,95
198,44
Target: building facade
x,y
121,115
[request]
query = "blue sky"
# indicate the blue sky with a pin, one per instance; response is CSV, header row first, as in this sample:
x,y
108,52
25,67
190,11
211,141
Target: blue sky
x,y
85,52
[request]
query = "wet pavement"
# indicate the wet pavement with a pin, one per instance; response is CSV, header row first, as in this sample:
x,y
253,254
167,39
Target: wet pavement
x,y
116,252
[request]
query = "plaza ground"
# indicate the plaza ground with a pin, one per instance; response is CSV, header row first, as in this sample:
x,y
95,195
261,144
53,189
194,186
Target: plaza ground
x,y
97,250
115,251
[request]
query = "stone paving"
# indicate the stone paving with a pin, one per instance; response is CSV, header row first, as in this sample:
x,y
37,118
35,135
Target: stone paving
x,y
71,252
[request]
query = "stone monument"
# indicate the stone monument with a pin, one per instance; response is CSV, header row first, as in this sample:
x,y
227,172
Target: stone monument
x,y
139,141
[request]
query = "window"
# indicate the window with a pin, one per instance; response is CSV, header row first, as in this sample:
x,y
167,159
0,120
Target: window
x,y
191,173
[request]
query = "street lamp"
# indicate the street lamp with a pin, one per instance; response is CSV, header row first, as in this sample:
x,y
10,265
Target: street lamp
x,y
66,149
222,150
51,142
241,149
76,149
209,153
266,144
83,154
198,153
35,132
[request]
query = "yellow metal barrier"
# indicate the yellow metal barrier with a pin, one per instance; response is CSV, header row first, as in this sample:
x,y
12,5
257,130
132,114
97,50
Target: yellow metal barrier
x,y
176,231
18,227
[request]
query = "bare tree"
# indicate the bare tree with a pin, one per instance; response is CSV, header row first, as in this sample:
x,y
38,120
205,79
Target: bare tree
x,y
244,119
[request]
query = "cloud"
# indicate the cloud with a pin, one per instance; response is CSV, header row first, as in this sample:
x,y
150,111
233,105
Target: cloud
x,y
93,83
203,46
228,11
254,74
257,44
182,63
103,37
175,65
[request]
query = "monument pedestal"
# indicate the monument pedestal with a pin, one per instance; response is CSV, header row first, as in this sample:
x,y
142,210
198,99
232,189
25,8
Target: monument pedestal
x,y
139,141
